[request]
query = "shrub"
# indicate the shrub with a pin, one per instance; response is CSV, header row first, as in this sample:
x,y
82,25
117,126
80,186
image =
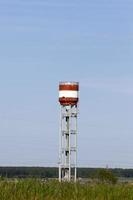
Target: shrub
x,y
105,176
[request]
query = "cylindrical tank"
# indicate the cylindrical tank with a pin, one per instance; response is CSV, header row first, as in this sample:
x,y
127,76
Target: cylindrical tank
x,y
68,93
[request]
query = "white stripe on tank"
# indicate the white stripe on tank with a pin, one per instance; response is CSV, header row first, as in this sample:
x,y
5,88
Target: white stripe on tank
x,y
68,94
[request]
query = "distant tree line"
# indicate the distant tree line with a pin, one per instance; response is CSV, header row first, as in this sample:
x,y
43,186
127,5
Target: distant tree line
x,y
24,172
52,172
119,172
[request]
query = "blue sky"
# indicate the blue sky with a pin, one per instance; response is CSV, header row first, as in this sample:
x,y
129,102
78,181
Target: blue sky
x,y
44,42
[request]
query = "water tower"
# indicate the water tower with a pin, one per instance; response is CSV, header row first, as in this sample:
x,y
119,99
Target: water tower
x,y
68,98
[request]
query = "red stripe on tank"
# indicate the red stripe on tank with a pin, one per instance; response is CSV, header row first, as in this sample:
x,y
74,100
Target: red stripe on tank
x,y
69,87
68,101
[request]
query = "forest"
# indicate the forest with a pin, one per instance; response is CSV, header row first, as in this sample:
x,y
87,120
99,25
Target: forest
x,y
52,172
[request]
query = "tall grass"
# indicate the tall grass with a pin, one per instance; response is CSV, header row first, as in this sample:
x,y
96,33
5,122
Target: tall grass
x,y
31,189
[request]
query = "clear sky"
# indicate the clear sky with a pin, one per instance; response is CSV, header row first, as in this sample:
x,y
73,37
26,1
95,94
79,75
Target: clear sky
x,y
43,42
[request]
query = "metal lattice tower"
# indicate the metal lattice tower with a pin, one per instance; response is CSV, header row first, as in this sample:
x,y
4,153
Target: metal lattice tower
x,y
68,98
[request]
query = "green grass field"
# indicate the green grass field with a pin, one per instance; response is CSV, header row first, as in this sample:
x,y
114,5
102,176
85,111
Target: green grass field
x,y
31,189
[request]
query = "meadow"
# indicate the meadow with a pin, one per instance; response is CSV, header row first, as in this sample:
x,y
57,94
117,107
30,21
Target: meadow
x,y
33,189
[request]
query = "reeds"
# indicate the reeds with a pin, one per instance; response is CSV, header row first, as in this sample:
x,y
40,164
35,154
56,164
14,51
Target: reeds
x,y
31,189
